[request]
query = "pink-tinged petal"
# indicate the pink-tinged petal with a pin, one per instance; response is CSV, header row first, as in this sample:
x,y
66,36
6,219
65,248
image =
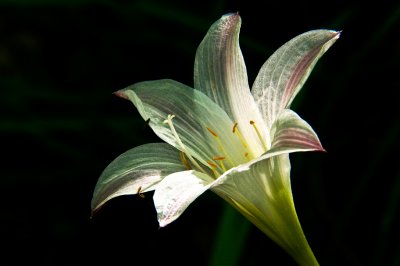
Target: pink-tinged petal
x,y
135,171
176,192
290,132
220,73
285,72
219,70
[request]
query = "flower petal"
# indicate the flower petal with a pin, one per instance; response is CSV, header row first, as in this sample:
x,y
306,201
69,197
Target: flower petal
x,y
220,73
262,193
175,193
291,133
137,170
285,72
256,191
195,115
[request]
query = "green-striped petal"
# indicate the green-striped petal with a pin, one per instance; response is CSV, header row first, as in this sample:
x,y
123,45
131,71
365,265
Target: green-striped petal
x,y
196,116
137,170
284,73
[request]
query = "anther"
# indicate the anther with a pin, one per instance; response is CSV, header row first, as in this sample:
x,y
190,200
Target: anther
x,y
240,136
221,147
220,160
213,168
213,165
234,127
212,132
139,192
258,134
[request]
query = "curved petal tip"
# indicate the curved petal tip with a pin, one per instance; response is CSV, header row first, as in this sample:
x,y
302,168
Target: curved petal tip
x,y
121,94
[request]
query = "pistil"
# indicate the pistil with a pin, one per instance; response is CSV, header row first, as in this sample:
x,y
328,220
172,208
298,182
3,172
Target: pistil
x,y
183,147
184,161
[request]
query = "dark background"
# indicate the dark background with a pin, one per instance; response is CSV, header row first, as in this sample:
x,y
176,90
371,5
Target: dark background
x,y
60,126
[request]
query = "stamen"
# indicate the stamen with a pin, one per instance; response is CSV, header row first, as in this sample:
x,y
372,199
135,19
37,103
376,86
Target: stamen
x,y
213,165
139,190
258,134
234,127
235,130
169,122
212,132
184,161
246,154
220,159
221,147
213,168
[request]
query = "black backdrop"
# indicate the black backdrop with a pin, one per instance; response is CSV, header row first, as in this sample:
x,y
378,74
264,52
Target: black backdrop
x,y
60,126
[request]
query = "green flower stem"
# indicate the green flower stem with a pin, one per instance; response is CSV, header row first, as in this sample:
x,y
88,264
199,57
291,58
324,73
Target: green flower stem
x,y
231,237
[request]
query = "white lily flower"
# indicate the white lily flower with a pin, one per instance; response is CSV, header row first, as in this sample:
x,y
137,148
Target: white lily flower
x,y
223,137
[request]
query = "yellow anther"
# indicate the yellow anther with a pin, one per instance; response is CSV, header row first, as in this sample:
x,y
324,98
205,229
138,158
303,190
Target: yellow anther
x,y
184,161
212,132
139,192
220,159
258,134
246,154
234,127
235,130
221,147
213,165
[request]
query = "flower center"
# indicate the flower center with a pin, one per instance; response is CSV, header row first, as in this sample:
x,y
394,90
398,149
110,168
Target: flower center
x,y
220,146
218,163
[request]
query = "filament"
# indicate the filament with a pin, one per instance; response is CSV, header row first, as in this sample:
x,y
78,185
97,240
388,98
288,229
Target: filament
x,y
221,147
235,130
213,168
258,134
220,160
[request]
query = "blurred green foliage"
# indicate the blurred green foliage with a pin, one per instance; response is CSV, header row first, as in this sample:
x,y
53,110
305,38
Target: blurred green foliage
x,y
60,126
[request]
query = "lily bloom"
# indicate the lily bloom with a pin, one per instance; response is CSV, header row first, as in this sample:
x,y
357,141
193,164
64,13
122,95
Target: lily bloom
x,y
222,136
